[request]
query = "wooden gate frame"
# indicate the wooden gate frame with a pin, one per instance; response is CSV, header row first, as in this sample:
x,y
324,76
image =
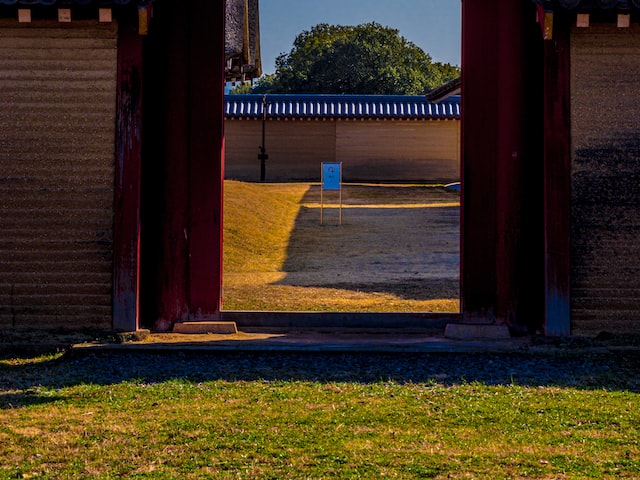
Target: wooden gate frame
x,y
512,117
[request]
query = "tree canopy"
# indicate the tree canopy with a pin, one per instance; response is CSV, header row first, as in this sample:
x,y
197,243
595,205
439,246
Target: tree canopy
x,y
362,59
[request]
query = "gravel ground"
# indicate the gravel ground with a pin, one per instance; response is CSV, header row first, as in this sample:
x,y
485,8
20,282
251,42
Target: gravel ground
x,y
616,369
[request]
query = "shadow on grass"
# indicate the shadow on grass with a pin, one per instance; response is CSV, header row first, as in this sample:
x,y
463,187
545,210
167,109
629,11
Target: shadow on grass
x,y
423,289
21,384
26,399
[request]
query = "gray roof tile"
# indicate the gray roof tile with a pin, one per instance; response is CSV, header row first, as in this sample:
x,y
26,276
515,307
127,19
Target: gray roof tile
x,y
342,106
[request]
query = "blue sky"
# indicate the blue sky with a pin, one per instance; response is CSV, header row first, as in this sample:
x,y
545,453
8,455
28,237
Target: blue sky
x,y
433,25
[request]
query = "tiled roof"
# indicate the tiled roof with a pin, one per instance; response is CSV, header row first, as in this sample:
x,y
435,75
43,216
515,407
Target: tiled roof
x,y
342,106
442,92
587,5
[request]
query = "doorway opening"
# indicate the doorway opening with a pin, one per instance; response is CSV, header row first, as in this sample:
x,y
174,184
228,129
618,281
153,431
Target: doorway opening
x,y
398,247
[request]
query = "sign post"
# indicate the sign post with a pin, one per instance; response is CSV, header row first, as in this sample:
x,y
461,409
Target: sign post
x,y
331,181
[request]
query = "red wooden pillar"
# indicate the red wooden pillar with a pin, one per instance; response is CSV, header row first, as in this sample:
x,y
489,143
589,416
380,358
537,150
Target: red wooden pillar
x,y
493,152
478,154
191,144
557,179
206,153
512,153
170,140
126,230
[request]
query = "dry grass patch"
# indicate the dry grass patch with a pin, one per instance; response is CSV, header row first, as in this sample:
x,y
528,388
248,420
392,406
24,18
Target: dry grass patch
x,y
397,249
259,219
317,299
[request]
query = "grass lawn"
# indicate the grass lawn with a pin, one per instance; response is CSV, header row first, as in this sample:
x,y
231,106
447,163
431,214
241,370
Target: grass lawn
x,y
306,429
397,249
85,418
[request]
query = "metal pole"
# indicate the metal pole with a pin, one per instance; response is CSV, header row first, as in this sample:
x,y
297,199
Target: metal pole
x,y
263,149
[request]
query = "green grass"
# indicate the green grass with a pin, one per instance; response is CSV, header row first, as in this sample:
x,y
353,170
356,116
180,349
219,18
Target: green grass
x,y
306,429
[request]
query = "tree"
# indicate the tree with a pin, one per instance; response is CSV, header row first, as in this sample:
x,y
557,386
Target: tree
x,y
363,59
263,85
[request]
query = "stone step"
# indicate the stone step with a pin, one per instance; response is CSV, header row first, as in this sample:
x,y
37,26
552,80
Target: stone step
x,y
206,327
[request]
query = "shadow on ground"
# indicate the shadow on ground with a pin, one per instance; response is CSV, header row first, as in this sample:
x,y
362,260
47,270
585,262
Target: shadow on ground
x,y
22,384
400,240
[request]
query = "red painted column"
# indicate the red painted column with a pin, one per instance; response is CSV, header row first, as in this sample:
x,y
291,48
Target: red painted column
x,y
206,153
173,142
557,179
511,155
186,150
126,230
494,93
478,158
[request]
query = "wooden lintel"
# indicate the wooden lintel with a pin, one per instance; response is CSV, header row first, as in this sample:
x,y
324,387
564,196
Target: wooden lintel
x,y
105,15
582,20
624,20
64,15
24,15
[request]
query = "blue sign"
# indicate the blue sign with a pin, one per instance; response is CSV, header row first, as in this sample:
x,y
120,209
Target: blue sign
x,y
332,176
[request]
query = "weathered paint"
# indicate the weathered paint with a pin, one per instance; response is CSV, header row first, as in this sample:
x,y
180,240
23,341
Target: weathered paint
x,y
511,153
182,215
478,153
175,194
557,177
497,157
126,233
206,153
164,166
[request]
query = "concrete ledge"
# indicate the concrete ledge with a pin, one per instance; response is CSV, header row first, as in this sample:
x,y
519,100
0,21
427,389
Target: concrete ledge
x,y
465,331
206,327
266,319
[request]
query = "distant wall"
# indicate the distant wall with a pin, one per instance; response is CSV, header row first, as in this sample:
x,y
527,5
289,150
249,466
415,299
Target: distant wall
x,y
399,150
371,150
295,148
